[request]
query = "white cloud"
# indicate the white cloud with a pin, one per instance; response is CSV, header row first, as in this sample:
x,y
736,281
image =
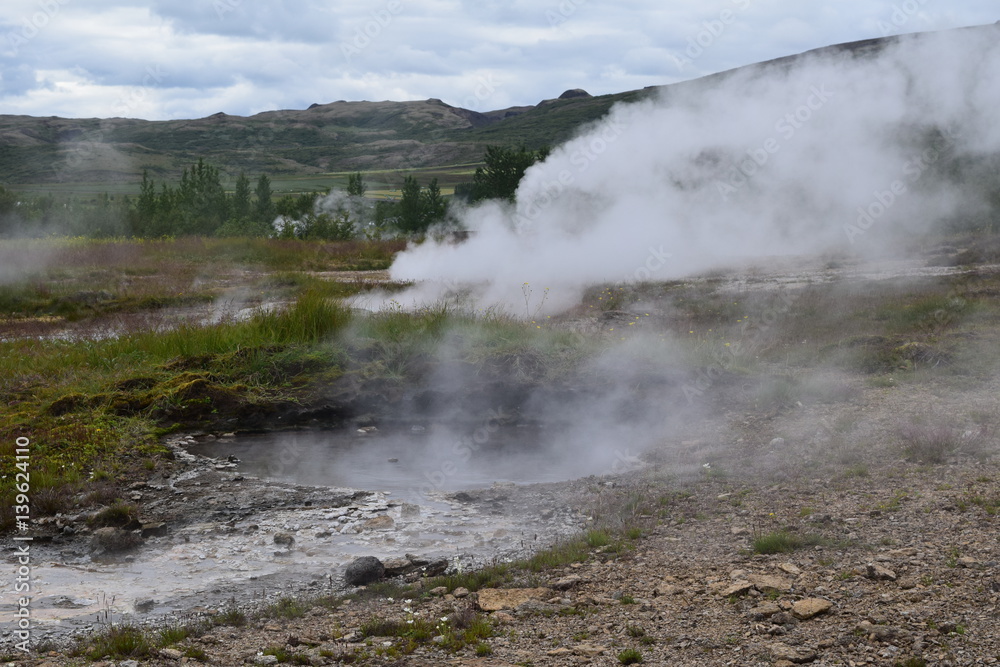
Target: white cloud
x,y
239,55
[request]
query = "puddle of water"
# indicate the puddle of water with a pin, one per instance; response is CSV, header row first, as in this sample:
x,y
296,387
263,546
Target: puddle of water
x,y
407,464
206,563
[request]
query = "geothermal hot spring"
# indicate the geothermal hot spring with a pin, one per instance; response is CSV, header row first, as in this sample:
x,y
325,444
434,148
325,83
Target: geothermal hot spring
x,y
356,492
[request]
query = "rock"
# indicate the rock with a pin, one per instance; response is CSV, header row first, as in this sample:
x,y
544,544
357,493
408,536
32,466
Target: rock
x,y
380,523
154,529
588,650
397,567
171,654
439,591
739,530
764,610
794,654
114,539
566,583
560,652
810,607
766,583
666,589
496,599
265,660
364,570
129,663
737,588
788,568
284,538
460,592
531,607
778,442
784,618
879,573
966,561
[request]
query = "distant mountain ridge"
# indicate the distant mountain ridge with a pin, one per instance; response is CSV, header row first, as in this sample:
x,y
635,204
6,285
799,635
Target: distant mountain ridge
x,y
337,136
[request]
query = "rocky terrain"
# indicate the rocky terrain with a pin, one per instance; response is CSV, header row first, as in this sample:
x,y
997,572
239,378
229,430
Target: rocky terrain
x,y
899,563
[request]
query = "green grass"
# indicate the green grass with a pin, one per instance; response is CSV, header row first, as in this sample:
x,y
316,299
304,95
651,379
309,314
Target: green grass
x,y
119,642
785,542
630,656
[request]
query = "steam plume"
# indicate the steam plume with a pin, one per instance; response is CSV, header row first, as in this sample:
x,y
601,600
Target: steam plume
x,y
838,150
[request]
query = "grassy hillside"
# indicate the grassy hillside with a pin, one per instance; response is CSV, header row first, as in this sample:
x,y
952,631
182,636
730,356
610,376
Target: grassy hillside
x,y
87,155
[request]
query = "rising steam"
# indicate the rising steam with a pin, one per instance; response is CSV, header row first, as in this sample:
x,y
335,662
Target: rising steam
x,y
840,150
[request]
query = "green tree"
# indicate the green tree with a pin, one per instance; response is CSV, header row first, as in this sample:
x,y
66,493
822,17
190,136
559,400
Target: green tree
x,y
410,207
434,205
241,206
264,206
356,185
503,170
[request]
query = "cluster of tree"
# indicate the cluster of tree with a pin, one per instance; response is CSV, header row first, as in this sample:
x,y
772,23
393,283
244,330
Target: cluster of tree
x,y
200,205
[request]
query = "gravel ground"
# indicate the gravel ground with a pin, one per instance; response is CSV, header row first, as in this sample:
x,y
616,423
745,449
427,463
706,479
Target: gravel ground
x,y
908,568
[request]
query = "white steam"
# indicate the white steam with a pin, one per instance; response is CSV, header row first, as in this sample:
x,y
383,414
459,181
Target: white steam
x,y
767,161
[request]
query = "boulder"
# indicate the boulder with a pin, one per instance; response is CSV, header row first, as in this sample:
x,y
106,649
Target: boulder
x,y
363,571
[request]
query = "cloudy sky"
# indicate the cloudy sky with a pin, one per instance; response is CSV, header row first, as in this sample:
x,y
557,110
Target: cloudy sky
x,y
161,59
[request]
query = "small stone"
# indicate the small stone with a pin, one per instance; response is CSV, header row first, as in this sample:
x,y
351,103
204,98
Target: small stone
x,y
560,652
666,589
439,591
284,538
171,654
788,568
966,561
739,530
380,523
588,650
778,442
764,610
737,588
461,592
265,660
794,654
810,607
879,573
766,583
566,583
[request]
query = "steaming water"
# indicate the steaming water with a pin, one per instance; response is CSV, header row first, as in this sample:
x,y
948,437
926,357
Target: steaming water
x,y
207,563
405,464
